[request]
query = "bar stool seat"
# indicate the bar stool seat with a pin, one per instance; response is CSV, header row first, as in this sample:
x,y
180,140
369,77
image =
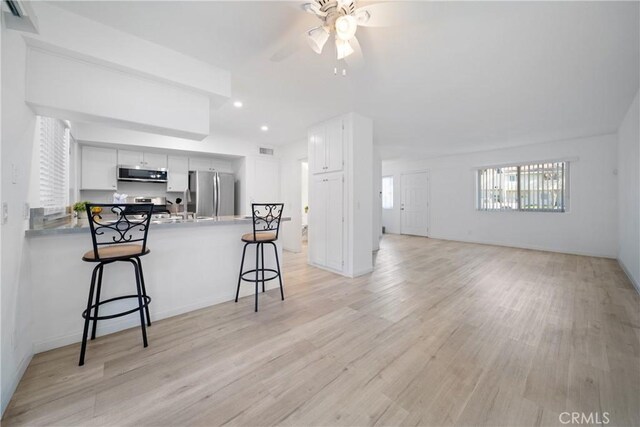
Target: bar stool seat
x,y
115,252
259,237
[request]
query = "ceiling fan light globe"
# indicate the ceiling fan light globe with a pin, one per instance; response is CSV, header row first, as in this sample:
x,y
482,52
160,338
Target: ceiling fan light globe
x,y
346,27
343,48
317,37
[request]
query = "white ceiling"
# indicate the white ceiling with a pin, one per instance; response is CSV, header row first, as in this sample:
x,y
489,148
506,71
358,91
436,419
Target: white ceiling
x,y
462,76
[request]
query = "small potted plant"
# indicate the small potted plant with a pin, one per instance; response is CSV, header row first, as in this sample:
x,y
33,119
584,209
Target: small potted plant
x,y
80,212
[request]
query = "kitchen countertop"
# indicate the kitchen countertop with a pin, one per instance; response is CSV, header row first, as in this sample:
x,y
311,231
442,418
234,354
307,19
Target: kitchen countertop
x,y
73,228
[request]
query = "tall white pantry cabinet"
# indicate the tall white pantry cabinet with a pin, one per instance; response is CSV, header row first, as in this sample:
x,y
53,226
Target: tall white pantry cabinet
x,y
341,195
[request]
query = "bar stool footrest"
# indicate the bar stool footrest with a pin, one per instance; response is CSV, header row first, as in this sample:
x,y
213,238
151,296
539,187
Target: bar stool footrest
x,y
260,270
146,300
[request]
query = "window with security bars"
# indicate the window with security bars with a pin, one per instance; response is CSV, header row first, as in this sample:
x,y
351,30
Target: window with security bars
x,y
535,187
54,138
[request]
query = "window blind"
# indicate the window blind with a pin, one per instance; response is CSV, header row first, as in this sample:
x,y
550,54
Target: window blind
x,y
536,187
54,164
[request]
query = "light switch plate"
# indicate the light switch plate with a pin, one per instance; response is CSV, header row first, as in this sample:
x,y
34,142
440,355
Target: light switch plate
x,y
5,212
27,211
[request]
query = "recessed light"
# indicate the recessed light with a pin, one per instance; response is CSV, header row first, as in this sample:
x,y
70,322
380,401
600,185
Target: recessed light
x,y
237,104
264,128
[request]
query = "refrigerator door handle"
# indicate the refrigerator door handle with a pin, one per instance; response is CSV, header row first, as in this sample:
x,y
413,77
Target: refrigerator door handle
x,y
217,179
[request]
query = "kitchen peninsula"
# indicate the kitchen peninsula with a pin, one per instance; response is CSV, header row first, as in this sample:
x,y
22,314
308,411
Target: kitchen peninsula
x,y
193,263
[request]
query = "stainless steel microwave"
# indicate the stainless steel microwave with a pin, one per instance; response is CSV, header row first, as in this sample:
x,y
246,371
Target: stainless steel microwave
x,y
137,173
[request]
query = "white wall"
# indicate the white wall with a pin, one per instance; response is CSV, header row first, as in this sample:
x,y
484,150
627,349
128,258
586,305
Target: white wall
x,y
18,127
82,70
590,226
68,88
87,39
359,188
629,193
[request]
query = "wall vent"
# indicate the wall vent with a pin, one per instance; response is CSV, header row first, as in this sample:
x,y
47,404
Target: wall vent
x,y
15,8
266,151
18,15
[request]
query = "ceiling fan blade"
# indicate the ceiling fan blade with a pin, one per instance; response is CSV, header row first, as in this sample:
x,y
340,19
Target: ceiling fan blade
x,y
294,45
356,59
386,14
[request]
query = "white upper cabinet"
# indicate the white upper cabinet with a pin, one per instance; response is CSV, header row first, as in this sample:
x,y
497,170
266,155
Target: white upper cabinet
x,y
178,173
143,159
99,168
201,164
130,158
317,156
334,146
155,160
326,146
209,164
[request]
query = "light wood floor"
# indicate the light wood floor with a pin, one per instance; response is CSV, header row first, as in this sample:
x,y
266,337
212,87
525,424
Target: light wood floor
x,y
441,333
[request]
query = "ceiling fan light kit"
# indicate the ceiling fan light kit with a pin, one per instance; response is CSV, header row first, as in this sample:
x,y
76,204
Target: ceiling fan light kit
x,y
317,37
343,48
336,16
346,27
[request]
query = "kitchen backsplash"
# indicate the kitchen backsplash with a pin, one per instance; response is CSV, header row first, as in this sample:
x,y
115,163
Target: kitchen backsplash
x,y
152,189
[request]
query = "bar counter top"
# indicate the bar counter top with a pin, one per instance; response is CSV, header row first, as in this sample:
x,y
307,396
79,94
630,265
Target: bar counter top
x,y
73,227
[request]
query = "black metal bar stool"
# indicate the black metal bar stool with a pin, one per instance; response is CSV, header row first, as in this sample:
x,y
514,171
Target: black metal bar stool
x,y
118,233
266,226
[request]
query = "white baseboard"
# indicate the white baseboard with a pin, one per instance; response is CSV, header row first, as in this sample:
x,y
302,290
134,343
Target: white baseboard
x,y
341,273
362,272
530,247
7,394
624,268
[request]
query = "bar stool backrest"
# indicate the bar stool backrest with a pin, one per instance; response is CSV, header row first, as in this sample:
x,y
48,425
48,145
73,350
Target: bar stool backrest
x,y
266,218
118,224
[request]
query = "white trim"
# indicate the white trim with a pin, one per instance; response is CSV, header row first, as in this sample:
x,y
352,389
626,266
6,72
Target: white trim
x,y
8,394
524,246
635,284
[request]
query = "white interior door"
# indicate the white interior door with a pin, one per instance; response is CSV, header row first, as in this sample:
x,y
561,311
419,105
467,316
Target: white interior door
x,y
414,206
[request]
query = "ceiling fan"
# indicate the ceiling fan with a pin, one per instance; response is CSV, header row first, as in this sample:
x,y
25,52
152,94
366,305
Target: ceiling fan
x,y
341,19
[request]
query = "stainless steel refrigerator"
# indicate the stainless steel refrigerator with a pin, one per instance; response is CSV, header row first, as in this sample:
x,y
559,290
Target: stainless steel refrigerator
x,y
212,193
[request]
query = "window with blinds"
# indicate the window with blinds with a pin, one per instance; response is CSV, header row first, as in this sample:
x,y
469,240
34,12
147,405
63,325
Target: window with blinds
x,y
535,187
54,164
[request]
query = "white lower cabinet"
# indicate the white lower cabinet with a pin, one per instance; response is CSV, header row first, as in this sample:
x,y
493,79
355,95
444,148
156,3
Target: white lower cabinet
x,y
326,219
